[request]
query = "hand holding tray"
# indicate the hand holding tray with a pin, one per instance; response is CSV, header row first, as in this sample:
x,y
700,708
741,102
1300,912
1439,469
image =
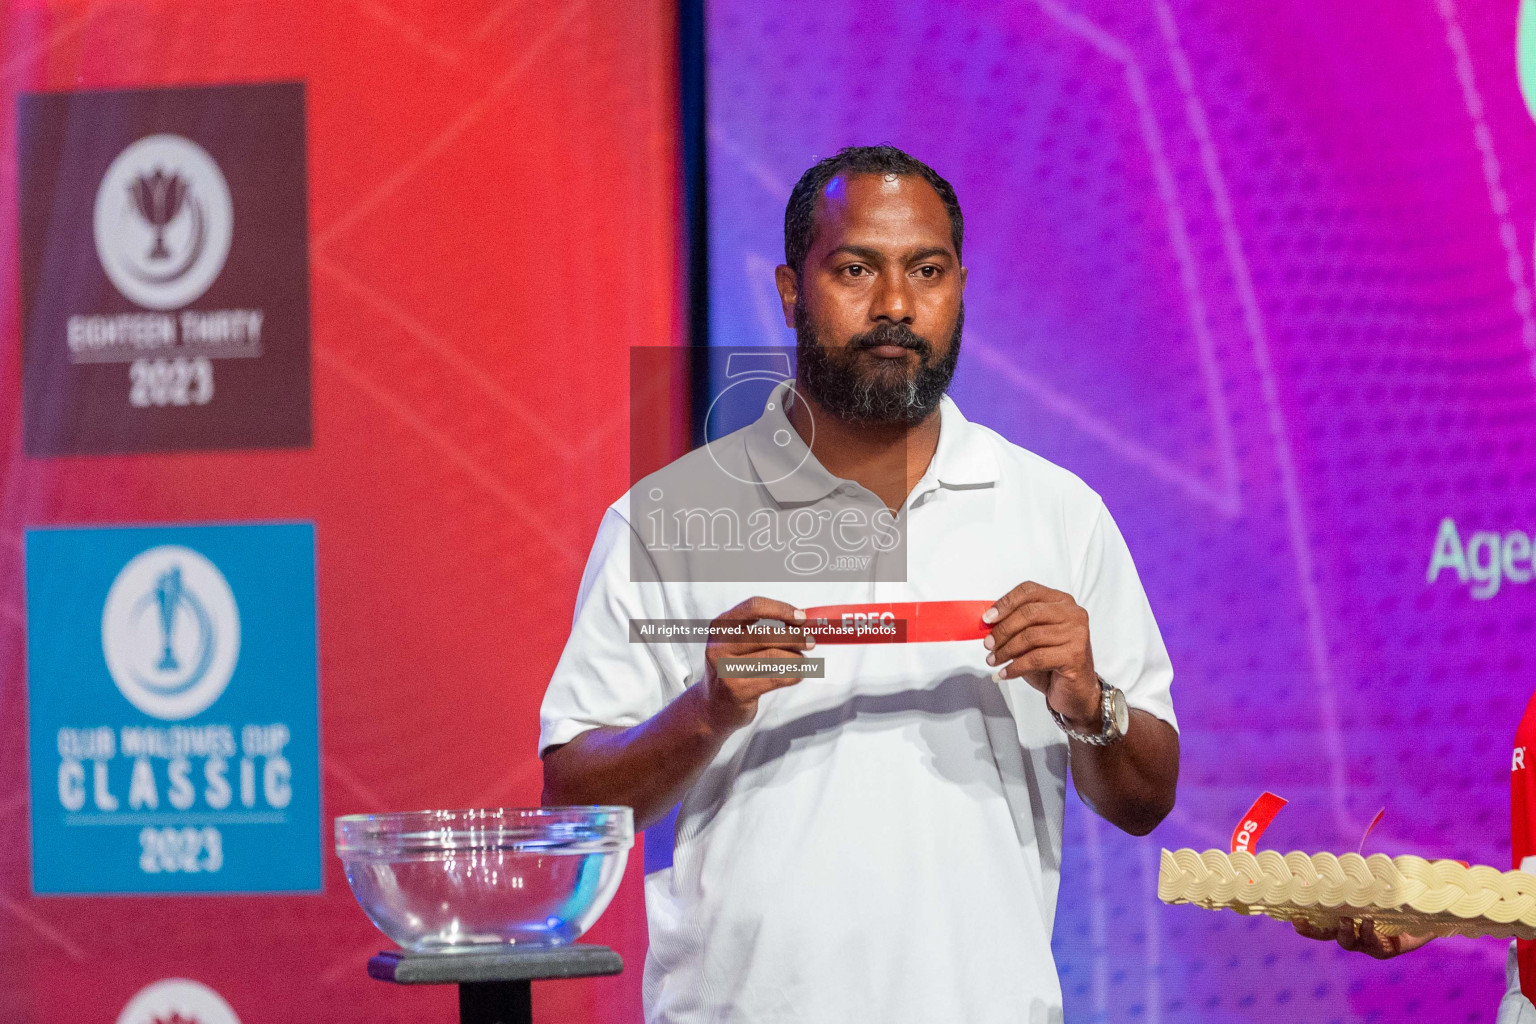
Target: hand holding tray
x,y
1404,894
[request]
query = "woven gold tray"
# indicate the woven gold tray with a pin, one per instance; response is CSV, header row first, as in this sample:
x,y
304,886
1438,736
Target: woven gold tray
x,y
1401,894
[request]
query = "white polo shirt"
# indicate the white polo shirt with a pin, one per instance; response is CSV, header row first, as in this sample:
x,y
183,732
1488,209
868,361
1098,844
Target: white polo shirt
x,y
883,844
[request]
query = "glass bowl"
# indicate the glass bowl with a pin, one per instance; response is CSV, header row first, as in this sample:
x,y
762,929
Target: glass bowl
x,y
448,880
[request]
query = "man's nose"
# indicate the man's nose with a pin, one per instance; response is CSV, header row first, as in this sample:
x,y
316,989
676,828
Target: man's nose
x,y
892,300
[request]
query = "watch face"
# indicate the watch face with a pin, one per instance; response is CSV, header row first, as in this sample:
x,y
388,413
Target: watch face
x,y
1122,711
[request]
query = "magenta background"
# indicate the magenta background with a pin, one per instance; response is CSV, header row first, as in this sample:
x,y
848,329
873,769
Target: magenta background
x,y
1260,273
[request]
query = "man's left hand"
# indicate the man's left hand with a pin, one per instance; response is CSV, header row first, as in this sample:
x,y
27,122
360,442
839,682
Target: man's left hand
x,y
1041,635
1359,935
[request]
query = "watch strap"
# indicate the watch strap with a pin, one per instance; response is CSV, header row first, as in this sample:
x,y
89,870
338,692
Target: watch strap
x,y
1110,731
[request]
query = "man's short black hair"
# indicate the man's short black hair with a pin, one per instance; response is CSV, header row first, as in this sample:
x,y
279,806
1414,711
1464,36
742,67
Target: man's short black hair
x,y
800,214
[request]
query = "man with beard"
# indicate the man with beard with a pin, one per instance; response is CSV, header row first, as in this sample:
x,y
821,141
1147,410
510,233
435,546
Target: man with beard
x,y
873,834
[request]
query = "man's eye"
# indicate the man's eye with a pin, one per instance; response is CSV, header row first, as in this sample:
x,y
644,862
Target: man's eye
x,y
928,272
854,271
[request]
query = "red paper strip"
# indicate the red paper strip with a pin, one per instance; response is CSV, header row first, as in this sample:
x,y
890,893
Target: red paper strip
x,y
1246,836
915,622
1369,829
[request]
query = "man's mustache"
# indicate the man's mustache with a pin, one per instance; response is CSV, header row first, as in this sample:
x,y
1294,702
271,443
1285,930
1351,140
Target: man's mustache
x,y
891,334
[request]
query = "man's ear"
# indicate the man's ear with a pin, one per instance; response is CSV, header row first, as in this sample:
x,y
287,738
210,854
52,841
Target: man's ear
x,y
965,272
789,291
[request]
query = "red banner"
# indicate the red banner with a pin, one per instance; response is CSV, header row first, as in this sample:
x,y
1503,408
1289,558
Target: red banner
x,y
474,175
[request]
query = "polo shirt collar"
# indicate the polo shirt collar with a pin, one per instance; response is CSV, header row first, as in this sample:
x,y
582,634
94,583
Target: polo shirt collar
x,y
793,476
964,457
783,462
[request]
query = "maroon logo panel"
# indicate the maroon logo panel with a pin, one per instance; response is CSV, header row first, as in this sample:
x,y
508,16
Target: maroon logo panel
x,y
164,270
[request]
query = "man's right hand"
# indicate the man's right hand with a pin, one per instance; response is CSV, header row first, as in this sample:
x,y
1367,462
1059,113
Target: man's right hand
x,y
650,766
731,701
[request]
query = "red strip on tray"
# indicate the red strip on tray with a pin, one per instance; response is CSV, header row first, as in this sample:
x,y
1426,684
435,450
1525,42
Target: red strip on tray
x,y
1369,829
1246,836
911,622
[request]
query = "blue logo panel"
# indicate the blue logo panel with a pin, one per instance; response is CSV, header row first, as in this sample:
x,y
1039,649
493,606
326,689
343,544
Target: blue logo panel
x,y
173,712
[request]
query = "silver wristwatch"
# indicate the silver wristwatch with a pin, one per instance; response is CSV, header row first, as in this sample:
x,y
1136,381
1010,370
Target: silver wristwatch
x,y
1114,710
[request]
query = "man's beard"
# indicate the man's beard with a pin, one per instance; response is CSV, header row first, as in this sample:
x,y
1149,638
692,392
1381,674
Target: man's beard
x,y
862,389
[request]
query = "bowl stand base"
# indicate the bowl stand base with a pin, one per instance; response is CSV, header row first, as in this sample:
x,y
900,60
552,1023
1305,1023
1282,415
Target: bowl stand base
x,y
495,987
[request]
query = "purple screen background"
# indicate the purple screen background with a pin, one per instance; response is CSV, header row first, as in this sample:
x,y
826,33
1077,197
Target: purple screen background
x,y
1260,274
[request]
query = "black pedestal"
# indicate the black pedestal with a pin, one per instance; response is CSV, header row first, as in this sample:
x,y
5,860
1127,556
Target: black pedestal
x,y
495,987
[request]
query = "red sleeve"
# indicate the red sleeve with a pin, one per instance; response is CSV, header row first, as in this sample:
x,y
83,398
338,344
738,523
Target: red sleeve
x,y
1522,812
